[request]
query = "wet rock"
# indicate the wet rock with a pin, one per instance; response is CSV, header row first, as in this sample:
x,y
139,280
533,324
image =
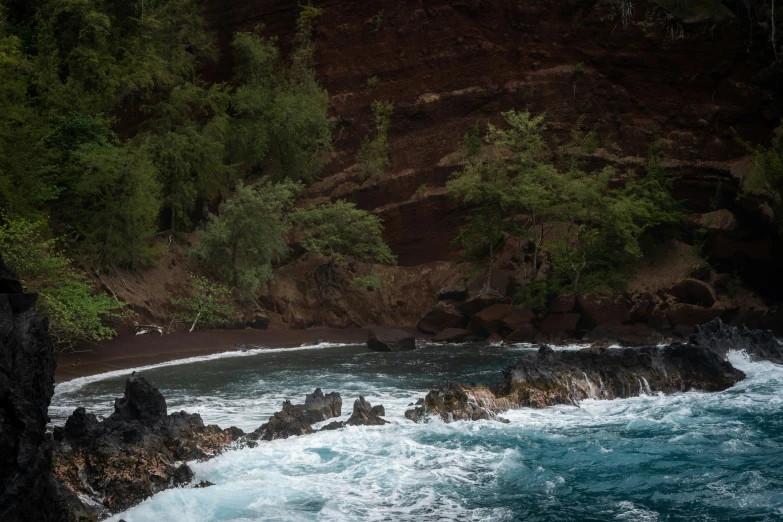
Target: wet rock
x,y
456,293
546,377
365,414
441,316
598,309
204,484
390,340
27,363
722,338
694,292
135,452
452,335
451,402
297,419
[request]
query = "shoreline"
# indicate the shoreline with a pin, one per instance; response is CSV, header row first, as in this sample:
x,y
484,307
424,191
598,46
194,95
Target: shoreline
x,y
127,350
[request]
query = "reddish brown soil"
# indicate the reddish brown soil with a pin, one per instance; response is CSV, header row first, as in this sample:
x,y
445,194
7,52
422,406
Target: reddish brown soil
x,y
132,351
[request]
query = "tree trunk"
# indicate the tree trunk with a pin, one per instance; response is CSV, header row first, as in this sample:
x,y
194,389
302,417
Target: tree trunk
x,y
195,322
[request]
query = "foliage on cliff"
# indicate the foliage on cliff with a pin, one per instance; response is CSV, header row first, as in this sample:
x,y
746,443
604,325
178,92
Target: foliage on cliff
x,y
590,224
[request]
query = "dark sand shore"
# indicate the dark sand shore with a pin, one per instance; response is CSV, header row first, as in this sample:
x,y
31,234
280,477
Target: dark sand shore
x,y
132,351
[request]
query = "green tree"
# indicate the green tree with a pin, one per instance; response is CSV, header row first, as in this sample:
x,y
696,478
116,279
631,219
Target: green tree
x,y
339,231
209,305
74,311
240,243
282,120
766,175
373,156
114,204
472,142
487,187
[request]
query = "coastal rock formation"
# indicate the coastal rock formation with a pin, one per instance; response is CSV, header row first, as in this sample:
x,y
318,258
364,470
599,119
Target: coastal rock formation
x,y
297,419
390,340
546,378
27,361
136,451
452,402
721,338
365,414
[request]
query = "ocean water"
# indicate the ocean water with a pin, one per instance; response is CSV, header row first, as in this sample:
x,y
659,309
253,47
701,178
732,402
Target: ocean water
x,y
692,456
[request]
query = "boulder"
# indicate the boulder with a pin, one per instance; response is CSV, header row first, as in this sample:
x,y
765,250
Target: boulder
x,y
598,309
365,414
701,272
690,315
562,304
452,335
625,334
525,333
441,316
390,340
694,292
556,324
490,319
476,304
454,293
517,318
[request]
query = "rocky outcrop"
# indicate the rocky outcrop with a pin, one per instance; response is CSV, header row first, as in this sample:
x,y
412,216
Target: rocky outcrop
x,y
297,419
441,316
27,362
722,338
694,292
546,378
365,414
451,402
390,340
135,452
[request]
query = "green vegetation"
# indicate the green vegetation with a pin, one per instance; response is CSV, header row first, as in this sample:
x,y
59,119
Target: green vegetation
x,y
209,304
472,142
373,156
337,231
369,283
423,188
75,313
240,243
107,126
373,82
377,20
766,176
589,229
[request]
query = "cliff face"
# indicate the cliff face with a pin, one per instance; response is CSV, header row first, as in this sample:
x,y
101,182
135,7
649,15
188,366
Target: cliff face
x,y
27,362
686,80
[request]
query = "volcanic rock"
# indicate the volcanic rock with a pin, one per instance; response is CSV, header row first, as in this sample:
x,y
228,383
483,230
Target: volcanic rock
x,y
476,304
546,377
694,292
451,402
525,333
722,338
365,414
441,316
598,309
625,334
27,362
562,304
452,335
134,453
490,319
297,419
690,315
390,340
557,324
457,293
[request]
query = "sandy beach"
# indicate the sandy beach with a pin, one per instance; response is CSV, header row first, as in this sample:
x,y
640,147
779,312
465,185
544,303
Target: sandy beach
x,y
132,351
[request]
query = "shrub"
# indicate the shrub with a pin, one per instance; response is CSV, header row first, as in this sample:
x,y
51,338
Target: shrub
x,y
373,156
209,305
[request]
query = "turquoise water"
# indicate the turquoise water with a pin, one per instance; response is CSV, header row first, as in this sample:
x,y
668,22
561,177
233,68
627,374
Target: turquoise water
x,y
693,456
